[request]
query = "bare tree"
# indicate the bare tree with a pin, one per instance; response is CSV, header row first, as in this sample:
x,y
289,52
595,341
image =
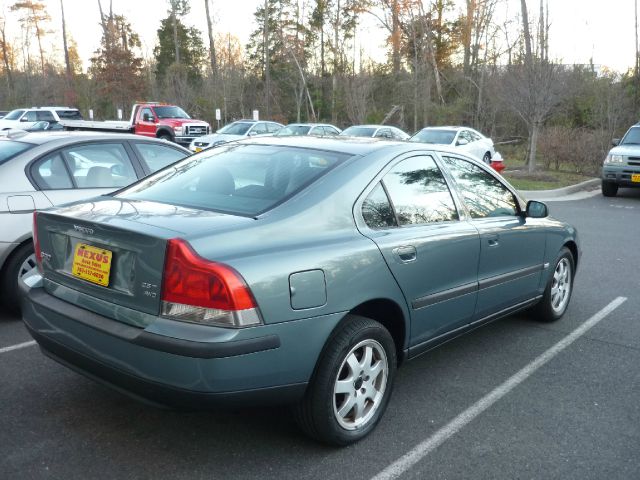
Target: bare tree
x,y
212,45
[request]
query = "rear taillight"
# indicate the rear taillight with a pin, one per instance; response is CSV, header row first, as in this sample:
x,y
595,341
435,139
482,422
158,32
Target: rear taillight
x,y
36,242
197,290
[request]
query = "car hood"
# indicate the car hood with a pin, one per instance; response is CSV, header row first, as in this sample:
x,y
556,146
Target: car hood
x,y
220,137
619,150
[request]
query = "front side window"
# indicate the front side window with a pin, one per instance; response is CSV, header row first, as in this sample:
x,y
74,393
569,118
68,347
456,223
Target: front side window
x,y
30,116
483,194
384,133
238,179
147,115
259,128
273,127
101,165
293,130
377,211
419,192
157,156
330,131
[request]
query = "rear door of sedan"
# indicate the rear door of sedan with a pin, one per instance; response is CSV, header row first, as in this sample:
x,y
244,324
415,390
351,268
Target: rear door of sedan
x,y
413,218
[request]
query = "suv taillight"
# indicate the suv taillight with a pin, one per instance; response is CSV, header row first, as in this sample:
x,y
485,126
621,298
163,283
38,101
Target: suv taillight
x,y
197,290
36,242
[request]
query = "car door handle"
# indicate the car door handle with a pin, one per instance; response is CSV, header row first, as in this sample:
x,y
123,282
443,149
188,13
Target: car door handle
x,y
405,254
493,240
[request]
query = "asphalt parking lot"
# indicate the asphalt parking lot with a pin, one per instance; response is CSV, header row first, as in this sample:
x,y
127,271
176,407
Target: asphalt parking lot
x,y
515,399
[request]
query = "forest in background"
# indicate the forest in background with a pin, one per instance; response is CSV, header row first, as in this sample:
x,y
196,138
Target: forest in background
x,y
448,62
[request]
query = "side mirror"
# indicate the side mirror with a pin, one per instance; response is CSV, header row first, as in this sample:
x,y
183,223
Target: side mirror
x,y
615,142
251,133
537,209
24,119
146,117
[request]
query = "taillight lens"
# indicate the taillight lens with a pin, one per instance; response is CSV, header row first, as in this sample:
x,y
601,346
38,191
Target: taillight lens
x,y
36,242
197,290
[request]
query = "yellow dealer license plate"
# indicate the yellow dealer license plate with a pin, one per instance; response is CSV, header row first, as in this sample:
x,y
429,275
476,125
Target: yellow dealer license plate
x,y
198,149
92,264
635,177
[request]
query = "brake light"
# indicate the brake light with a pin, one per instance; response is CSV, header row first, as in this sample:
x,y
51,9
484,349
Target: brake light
x,y
36,242
198,290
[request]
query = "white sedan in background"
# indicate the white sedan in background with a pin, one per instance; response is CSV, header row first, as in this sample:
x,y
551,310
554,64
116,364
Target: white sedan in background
x,y
466,139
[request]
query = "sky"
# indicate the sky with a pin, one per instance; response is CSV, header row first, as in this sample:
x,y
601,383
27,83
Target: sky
x,y
581,30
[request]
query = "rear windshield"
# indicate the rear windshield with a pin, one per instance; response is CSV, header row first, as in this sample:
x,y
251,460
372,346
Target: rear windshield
x,y
170,112
293,130
69,114
441,137
358,132
14,115
632,137
239,179
11,148
236,128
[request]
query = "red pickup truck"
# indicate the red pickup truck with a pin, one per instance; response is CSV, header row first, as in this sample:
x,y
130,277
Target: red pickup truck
x,y
151,119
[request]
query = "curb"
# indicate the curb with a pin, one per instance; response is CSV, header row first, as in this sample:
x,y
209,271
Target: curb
x,y
560,192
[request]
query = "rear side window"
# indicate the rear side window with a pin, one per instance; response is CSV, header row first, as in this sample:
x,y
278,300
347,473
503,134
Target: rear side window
x,y
45,116
419,192
483,194
101,165
51,174
237,179
158,156
10,148
69,114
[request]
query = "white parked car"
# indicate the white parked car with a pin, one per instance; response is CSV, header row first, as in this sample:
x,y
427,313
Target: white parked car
x,y
25,118
313,129
235,131
40,170
466,139
375,131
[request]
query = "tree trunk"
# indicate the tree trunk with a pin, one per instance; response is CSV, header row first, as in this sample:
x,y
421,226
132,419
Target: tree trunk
x,y
64,41
395,37
526,33
212,47
267,72
176,45
334,80
533,144
5,58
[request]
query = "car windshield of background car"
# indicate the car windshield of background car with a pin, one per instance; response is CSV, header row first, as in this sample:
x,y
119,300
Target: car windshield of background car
x,y
14,115
440,137
358,132
236,128
170,112
241,180
10,148
632,137
296,130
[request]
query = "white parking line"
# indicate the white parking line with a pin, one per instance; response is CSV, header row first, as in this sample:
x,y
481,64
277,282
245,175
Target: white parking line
x,y
423,449
17,346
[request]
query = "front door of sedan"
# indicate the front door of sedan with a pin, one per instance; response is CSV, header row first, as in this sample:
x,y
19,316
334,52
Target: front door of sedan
x,y
512,245
411,216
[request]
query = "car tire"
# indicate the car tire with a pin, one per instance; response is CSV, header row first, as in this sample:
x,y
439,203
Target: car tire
x,y
21,261
609,189
557,294
342,418
487,158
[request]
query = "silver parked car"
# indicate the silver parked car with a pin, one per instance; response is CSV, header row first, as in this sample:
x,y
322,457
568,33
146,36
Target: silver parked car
x,y
235,131
375,131
39,170
296,270
466,139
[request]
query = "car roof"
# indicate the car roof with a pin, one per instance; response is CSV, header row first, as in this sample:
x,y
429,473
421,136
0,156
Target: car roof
x,y
40,138
348,145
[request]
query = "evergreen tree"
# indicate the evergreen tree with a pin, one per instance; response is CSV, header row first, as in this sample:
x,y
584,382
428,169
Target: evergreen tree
x,y
191,51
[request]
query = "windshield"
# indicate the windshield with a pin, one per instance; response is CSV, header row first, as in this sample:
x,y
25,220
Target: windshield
x,y
11,148
236,128
430,135
239,179
296,130
14,115
632,137
170,112
359,132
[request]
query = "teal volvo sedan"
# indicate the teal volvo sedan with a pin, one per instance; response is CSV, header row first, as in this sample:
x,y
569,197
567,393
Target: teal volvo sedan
x,y
295,270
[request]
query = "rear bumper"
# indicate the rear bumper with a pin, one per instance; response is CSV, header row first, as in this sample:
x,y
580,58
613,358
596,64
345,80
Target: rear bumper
x,y
271,367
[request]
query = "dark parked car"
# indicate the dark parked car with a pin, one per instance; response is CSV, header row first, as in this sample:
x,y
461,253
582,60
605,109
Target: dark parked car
x,y
293,270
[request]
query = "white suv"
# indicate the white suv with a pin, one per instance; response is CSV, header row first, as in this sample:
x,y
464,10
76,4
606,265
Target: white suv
x,y
22,118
